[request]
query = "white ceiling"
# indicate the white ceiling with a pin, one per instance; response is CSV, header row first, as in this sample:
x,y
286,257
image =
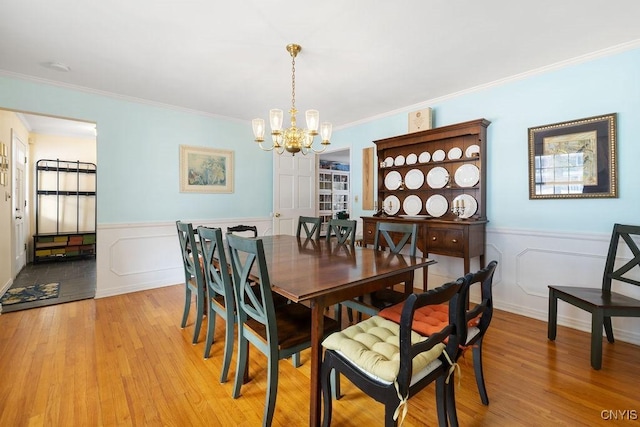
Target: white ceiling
x,y
360,59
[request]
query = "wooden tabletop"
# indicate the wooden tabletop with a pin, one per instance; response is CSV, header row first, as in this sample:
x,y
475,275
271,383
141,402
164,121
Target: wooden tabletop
x,y
325,273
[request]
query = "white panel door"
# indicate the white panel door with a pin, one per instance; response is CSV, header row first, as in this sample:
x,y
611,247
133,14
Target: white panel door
x,y
294,192
19,204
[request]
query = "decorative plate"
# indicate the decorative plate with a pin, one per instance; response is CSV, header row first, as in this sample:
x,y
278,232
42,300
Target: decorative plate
x,y
472,150
454,154
415,216
392,180
414,179
412,205
388,162
438,155
391,205
467,175
437,205
437,177
412,159
467,202
399,161
424,157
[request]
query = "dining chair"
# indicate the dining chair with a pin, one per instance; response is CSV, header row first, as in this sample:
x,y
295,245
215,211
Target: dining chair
x,y
193,276
430,319
343,229
603,303
252,230
278,332
219,293
311,226
394,236
391,363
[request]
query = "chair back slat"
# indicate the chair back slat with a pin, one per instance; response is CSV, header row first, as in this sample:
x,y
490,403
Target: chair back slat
x,y
311,226
216,268
343,229
405,231
247,256
627,234
189,248
448,292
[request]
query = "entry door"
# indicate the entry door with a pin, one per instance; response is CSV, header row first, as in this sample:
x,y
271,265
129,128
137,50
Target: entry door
x,y
19,204
294,190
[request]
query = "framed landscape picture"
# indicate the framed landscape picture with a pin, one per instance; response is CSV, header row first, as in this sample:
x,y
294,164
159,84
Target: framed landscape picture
x,y
205,170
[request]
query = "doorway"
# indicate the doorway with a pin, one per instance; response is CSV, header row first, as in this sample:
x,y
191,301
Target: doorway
x,y
334,186
48,138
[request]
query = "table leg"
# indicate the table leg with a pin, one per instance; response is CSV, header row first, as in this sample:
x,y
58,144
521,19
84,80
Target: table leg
x,y
317,326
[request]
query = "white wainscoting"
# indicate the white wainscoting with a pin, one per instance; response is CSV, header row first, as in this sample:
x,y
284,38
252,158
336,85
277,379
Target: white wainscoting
x,y
134,257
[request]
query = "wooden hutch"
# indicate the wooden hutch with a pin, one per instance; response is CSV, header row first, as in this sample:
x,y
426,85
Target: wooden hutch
x,y
437,179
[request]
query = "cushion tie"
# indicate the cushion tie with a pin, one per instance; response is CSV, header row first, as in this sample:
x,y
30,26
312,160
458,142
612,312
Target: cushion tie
x,y
403,405
452,368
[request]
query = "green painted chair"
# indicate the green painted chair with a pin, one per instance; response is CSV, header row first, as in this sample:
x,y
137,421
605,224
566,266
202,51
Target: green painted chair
x,y
219,293
193,276
394,236
279,332
343,229
311,226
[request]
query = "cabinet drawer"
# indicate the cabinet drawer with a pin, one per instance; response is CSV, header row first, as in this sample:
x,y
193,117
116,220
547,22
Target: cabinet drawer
x,y
445,241
369,232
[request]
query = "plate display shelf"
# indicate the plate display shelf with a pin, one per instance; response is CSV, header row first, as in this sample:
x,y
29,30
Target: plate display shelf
x,y
440,231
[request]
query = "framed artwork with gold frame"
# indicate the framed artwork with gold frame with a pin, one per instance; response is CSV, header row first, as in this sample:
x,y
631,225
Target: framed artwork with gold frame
x,y
205,170
574,159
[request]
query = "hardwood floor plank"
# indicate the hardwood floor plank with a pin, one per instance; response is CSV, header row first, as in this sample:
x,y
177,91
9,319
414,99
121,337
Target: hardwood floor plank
x,y
124,360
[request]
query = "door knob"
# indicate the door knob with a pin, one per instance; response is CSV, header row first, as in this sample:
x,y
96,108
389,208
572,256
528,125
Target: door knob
x,y
18,217
277,215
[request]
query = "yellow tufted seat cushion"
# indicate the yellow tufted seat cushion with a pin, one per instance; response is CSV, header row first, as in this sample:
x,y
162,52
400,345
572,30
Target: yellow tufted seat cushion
x,y
373,346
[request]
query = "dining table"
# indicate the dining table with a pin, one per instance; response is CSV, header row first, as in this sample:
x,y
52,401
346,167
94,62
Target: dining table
x,y
322,273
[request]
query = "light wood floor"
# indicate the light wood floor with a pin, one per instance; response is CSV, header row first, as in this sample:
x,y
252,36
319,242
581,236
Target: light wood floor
x,y
124,360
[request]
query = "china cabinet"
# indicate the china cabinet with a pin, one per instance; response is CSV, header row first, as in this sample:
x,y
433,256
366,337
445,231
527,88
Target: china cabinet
x,y
437,179
333,191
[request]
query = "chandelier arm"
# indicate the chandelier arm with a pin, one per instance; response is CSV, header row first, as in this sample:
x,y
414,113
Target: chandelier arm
x,y
266,149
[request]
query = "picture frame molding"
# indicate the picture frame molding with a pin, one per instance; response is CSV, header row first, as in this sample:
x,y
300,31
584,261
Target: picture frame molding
x,y
599,182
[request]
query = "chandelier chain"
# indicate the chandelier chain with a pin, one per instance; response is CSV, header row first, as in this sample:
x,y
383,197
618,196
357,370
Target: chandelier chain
x,y
293,82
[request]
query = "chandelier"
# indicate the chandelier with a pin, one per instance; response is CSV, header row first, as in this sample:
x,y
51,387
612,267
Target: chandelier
x,y
294,139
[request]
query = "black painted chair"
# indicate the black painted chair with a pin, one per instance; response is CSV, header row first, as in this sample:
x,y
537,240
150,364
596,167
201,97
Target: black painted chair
x,y
193,276
219,293
477,316
243,230
311,226
391,363
279,332
603,303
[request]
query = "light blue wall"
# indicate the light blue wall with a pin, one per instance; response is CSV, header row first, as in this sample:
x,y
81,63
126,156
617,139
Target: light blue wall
x,y
138,147
138,155
601,86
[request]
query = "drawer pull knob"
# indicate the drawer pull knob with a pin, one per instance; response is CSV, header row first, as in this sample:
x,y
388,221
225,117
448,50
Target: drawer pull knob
x,y
454,240
434,238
